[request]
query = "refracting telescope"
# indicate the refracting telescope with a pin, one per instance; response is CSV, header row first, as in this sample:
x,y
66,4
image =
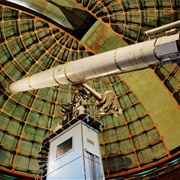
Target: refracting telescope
x,y
160,48
157,50
149,53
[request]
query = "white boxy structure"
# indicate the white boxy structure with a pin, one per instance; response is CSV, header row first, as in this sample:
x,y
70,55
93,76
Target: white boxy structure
x,y
75,154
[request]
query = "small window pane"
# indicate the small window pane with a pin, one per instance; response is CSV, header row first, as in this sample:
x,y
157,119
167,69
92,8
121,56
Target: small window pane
x,y
64,147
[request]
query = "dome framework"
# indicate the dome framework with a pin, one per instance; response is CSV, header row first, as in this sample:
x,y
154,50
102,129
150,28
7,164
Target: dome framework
x,y
30,43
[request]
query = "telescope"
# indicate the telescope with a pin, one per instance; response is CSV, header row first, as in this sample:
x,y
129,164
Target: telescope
x,y
152,52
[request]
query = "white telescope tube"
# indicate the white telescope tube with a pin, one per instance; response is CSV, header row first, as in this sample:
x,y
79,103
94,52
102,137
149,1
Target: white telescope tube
x,y
163,28
133,57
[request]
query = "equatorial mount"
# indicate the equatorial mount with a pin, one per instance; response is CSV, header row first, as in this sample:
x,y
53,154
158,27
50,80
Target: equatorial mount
x,y
105,103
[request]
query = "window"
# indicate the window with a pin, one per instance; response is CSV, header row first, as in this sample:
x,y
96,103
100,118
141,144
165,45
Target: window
x,y
64,147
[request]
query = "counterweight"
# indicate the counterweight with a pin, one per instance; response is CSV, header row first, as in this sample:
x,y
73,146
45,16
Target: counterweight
x,y
145,54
